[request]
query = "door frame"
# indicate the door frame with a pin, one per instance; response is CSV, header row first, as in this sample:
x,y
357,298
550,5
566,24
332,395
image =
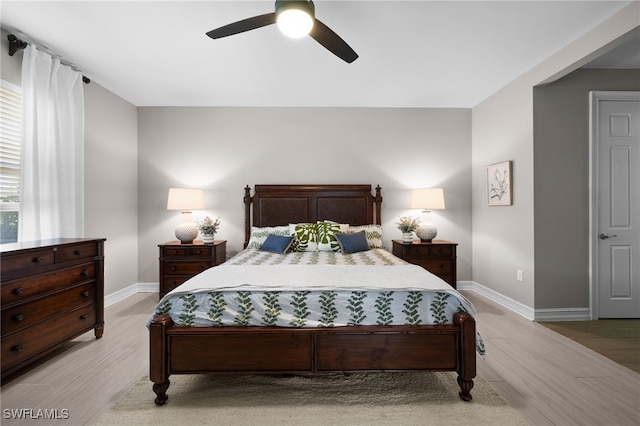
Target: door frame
x,y
594,197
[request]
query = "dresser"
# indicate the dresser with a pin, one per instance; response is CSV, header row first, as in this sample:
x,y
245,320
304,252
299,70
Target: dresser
x,y
179,262
437,257
52,292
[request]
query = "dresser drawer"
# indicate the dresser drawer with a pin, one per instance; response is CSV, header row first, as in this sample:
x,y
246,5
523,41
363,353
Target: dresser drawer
x,y
26,314
24,288
21,346
26,263
191,252
185,268
76,252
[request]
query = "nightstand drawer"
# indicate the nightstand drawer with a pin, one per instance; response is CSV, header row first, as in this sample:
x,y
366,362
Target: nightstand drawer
x,y
422,251
179,262
189,252
435,266
171,282
185,268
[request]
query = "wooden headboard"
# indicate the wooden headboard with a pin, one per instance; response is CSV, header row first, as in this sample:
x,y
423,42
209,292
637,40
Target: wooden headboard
x,y
275,205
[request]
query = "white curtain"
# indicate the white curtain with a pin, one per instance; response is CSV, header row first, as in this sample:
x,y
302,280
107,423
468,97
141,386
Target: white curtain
x,y
52,185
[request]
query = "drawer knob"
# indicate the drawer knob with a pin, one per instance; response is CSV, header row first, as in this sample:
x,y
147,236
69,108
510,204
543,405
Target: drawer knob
x,y
18,317
85,293
84,317
197,251
85,273
17,348
173,268
77,252
38,259
18,290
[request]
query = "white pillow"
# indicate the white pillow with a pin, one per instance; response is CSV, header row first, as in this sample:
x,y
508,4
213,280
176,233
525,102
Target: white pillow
x,y
327,231
260,234
306,236
373,233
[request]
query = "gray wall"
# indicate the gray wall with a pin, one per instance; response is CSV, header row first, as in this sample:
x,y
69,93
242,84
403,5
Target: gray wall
x,y
111,180
561,184
509,238
224,149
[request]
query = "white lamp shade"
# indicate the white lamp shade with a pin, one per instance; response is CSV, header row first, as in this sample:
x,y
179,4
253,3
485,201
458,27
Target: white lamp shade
x,y
185,199
427,199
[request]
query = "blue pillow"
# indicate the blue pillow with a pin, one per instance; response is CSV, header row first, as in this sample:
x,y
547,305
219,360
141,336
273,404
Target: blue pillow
x,y
353,243
277,243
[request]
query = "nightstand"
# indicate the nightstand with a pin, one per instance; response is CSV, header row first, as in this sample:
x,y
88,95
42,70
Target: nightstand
x,y
179,262
437,257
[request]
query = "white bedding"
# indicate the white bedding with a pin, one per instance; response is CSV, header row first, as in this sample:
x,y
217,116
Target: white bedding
x,y
314,289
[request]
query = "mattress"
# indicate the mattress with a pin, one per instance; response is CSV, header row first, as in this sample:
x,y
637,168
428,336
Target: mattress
x,y
314,289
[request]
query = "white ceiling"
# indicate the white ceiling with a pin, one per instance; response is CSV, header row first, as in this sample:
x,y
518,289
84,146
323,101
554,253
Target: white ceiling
x,y
412,53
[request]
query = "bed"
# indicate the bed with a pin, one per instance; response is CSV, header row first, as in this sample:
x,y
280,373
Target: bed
x,y
259,321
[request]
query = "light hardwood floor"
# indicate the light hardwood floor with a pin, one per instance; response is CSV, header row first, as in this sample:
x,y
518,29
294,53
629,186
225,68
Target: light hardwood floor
x,y
548,378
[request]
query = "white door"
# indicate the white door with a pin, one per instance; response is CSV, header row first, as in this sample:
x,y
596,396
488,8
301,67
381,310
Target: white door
x,y
616,231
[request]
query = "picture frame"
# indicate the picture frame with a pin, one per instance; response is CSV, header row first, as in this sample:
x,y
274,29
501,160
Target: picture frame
x,y
499,184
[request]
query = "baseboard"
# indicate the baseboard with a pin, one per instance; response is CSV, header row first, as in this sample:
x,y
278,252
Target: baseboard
x,y
554,314
499,298
120,295
563,314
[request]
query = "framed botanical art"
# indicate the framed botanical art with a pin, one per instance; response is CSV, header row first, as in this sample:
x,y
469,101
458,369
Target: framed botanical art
x,y
499,189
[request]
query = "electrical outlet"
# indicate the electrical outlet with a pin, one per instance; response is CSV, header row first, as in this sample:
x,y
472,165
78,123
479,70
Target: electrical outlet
x,y
519,275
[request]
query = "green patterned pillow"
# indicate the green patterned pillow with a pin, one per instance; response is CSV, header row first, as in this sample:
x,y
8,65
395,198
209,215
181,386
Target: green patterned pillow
x,y
372,232
259,235
327,231
306,236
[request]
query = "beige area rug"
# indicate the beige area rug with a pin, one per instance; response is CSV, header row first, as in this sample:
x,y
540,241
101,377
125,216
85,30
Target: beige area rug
x,y
355,399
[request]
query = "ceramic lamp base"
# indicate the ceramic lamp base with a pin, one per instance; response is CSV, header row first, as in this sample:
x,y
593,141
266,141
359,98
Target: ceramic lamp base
x,y
187,232
427,232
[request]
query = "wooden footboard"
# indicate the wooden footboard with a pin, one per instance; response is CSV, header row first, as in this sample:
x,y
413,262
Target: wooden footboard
x,y
276,350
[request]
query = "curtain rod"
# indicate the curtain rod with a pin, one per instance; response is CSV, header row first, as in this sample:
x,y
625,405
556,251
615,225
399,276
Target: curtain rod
x,y
16,45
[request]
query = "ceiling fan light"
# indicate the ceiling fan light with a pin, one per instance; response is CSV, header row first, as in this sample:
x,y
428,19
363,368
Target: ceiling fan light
x,y
295,17
295,23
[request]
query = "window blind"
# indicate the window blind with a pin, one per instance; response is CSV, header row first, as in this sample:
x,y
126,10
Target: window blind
x,y
10,131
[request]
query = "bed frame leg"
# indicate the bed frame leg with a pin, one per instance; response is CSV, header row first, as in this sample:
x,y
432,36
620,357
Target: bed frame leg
x,y
465,389
160,390
159,356
467,362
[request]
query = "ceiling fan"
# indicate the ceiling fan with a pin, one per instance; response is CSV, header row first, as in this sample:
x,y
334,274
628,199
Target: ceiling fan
x,y
295,19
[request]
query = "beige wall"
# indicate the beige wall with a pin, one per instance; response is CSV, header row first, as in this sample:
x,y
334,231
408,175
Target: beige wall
x,y
111,182
561,156
224,149
111,176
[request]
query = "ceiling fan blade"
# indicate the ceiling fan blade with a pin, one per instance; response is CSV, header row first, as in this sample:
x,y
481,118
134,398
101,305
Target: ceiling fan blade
x,y
244,25
332,41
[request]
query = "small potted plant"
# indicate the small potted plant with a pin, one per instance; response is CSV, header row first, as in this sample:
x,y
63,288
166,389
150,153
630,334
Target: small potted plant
x,y
407,225
209,227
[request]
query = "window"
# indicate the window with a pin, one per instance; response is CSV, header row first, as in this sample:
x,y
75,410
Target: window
x,y
10,130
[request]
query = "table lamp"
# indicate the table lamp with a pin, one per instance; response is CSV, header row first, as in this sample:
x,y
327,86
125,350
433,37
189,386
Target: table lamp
x,y
427,199
186,200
